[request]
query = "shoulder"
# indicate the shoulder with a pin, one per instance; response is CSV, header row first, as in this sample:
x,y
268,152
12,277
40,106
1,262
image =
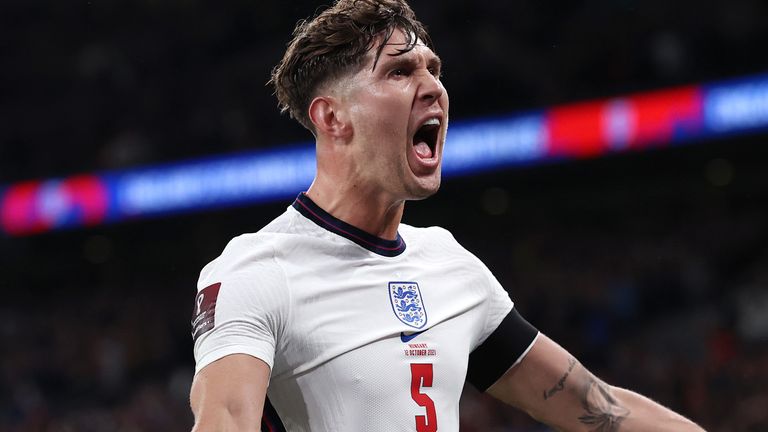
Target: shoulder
x,y
427,233
249,257
433,238
439,245
244,257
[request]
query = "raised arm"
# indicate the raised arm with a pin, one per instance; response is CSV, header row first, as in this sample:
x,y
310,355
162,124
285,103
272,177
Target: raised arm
x,y
554,388
228,394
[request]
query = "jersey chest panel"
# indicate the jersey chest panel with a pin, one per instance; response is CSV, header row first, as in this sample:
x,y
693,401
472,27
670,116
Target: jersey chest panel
x,y
349,343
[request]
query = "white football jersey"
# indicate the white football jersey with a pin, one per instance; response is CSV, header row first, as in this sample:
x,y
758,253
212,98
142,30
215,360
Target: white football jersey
x,y
360,333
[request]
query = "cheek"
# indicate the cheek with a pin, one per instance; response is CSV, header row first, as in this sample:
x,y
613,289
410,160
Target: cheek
x,y
381,118
444,102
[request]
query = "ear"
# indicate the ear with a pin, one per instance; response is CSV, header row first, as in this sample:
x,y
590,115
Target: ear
x,y
327,117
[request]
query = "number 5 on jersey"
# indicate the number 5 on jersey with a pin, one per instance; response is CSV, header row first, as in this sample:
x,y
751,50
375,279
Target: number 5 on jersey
x,y
421,376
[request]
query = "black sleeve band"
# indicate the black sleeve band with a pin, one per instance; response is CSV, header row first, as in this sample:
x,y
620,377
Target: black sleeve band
x,y
504,346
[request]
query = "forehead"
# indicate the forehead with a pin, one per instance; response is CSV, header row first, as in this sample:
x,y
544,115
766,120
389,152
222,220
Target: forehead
x,y
392,50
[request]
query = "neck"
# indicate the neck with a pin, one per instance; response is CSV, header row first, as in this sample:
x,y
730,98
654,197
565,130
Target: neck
x,y
358,206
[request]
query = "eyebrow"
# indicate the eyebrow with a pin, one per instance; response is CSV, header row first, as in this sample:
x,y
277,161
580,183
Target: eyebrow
x,y
405,60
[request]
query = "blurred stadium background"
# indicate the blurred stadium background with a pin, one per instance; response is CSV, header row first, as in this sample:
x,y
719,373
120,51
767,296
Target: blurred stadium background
x,y
647,259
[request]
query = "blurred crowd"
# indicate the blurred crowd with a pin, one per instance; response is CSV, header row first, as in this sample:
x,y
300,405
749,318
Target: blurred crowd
x,y
104,360
676,312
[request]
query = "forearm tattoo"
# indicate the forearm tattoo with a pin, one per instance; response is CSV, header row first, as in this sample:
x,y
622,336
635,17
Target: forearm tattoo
x,y
561,382
602,410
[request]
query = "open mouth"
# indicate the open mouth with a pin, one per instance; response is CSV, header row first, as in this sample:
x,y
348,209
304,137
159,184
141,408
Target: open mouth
x,y
425,138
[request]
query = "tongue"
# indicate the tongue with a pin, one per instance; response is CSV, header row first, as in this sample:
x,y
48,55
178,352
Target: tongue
x,y
423,150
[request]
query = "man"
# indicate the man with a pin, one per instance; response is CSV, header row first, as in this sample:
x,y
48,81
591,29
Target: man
x,y
350,320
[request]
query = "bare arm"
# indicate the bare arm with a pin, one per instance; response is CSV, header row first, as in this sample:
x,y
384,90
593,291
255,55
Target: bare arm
x,y
228,394
553,387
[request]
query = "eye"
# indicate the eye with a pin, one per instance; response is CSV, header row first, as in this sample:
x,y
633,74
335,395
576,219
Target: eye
x,y
436,72
400,72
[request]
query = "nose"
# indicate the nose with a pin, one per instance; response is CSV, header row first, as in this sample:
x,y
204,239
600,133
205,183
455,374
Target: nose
x,y
430,88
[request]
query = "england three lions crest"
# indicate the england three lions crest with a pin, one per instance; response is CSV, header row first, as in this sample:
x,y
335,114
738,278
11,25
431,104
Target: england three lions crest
x,y
407,303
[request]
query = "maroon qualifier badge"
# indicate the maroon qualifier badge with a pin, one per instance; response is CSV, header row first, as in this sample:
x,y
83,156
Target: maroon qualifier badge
x,y
205,310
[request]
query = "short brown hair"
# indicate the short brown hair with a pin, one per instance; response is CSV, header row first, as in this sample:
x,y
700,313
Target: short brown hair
x,y
335,43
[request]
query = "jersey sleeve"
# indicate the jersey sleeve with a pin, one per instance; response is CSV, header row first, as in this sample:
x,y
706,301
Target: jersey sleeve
x,y
504,341
241,305
498,305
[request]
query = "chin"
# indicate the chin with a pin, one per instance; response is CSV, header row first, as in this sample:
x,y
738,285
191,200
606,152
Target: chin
x,y
424,189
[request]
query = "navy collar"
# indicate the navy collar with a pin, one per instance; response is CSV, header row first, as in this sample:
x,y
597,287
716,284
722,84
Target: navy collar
x,y
378,245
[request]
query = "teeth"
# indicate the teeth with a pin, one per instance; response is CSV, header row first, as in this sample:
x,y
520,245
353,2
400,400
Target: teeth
x,y
432,121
